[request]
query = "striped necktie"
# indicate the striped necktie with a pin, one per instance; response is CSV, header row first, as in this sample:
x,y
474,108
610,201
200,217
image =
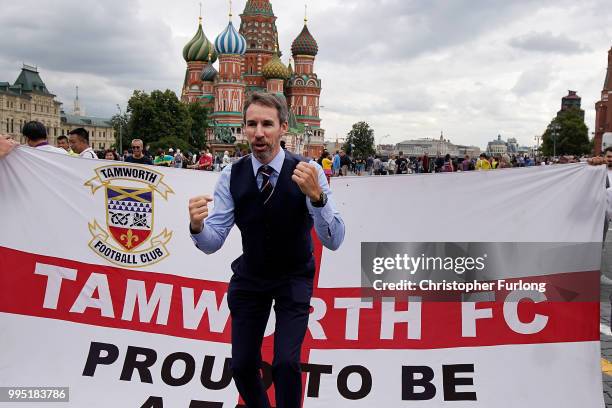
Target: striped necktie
x,y
266,185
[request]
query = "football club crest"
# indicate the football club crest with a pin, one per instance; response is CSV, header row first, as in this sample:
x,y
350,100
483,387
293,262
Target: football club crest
x,y
129,238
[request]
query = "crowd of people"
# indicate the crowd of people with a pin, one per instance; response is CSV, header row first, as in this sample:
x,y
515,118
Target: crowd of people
x,y
340,164
76,143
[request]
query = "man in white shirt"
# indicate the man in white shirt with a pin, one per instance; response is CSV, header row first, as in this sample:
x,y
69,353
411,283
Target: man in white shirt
x,y
36,136
79,143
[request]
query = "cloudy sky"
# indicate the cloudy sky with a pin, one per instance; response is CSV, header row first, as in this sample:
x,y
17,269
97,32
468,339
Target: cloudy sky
x,y
411,68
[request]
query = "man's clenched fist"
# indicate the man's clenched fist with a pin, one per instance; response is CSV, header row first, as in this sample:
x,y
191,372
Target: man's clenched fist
x,y
306,177
198,211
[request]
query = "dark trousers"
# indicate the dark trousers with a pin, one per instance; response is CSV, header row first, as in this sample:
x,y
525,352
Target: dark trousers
x,y
250,302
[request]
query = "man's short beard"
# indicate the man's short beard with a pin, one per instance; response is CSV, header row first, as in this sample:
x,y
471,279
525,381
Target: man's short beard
x,y
263,156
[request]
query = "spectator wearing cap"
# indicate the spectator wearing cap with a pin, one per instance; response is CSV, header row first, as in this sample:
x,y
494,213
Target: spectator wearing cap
x,y
36,136
79,143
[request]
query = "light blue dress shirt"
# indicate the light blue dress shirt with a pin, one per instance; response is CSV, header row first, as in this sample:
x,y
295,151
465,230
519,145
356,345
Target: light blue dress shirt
x,y
327,221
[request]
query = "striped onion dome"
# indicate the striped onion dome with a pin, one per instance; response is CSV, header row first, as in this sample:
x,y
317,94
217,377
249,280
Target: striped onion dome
x,y
304,44
208,73
230,41
199,48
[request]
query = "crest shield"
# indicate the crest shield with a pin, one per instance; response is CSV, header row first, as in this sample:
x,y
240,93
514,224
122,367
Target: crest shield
x,y
129,215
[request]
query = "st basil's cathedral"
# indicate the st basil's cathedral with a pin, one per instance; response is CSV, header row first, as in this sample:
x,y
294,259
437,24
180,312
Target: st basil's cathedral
x,y
249,60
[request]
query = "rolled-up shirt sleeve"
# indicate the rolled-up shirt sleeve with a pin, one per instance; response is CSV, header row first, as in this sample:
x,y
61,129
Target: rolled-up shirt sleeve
x,y
221,219
327,221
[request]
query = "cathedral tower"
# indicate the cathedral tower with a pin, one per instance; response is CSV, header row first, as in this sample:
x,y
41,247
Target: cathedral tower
x,y
303,88
229,88
603,108
198,53
259,29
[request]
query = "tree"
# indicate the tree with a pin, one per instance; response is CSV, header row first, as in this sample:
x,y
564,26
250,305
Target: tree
x,y
199,125
157,116
566,135
170,141
360,141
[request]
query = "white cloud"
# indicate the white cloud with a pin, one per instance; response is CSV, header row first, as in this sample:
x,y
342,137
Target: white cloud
x,y
547,42
470,68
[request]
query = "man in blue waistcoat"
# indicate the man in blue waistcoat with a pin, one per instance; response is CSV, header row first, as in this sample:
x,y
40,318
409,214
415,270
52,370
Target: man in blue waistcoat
x,y
275,198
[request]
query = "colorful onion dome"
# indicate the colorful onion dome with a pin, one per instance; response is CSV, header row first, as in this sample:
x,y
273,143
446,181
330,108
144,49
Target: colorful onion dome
x,y
208,73
275,69
258,7
199,48
230,41
304,44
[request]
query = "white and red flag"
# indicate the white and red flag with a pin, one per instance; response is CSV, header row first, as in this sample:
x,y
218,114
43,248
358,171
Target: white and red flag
x,y
103,291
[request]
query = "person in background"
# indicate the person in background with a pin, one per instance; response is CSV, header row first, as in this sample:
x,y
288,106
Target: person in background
x,y
327,164
178,159
345,162
138,156
205,162
447,166
494,162
228,160
505,163
391,165
63,143
36,136
466,163
163,159
79,143
110,154
482,163
425,163
401,164
336,164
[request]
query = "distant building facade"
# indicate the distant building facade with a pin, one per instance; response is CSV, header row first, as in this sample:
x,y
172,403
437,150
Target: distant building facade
x,y
498,146
101,131
603,108
28,99
25,100
431,147
571,102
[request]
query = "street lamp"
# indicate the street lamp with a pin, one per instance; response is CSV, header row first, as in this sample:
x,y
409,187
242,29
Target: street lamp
x,y
537,140
554,131
120,131
307,138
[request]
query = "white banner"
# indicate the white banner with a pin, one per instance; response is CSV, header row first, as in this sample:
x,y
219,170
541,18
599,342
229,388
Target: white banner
x,y
103,291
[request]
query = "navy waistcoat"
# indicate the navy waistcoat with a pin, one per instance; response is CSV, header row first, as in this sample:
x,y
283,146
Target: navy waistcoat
x,y
276,238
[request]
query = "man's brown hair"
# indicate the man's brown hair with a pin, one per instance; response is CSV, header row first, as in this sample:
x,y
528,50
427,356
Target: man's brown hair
x,y
271,101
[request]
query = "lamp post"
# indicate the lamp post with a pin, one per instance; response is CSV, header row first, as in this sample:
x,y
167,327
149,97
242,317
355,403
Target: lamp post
x,y
537,140
307,138
555,127
120,131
